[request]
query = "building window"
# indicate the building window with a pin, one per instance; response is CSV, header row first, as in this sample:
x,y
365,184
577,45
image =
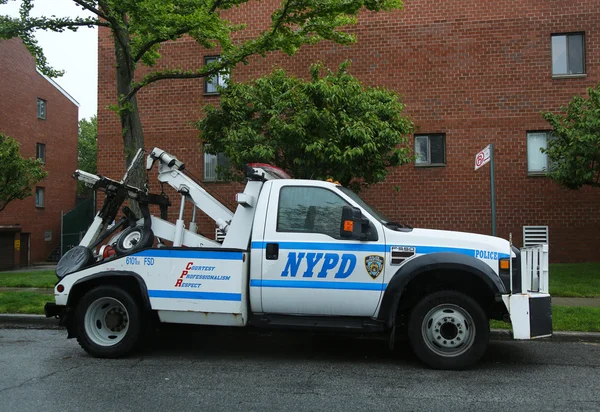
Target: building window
x,y
212,164
568,54
310,210
211,83
537,162
430,150
41,108
39,197
40,152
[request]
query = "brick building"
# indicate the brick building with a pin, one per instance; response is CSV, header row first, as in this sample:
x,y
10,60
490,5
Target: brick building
x,y
471,73
42,117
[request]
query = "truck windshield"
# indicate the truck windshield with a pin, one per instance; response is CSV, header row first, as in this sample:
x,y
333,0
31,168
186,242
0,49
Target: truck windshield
x,y
373,211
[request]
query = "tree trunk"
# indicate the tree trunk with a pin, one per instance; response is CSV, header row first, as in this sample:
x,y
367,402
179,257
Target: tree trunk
x,y
131,125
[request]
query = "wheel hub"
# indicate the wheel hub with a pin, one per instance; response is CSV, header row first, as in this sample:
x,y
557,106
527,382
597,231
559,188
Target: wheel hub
x,y
106,321
115,319
448,330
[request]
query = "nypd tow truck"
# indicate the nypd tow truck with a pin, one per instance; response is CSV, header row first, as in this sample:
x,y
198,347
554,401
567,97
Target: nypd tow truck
x,y
296,254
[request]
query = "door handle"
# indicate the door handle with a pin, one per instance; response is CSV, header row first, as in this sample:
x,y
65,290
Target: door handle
x,y
272,251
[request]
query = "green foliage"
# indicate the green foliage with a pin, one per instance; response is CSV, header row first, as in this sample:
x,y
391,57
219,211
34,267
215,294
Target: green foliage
x,y
330,126
569,318
87,149
575,279
574,150
17,174
139,28
23,302
33,279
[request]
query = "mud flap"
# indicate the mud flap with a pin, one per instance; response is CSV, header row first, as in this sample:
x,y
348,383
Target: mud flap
x,y
530,315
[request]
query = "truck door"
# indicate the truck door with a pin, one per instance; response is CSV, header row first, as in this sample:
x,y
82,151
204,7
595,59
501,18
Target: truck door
x,y
307,268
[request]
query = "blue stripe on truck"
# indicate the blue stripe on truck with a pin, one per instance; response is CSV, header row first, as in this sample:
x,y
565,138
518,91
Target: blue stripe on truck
x,y
361,247
188,254
308,284
357,247
176,294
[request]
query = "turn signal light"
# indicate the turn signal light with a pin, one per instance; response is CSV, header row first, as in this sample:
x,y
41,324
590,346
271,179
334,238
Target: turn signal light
x,y
504,264
348,225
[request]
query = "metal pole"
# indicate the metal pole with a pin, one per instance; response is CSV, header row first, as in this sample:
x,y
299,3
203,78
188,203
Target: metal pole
x,y
62,215
493,190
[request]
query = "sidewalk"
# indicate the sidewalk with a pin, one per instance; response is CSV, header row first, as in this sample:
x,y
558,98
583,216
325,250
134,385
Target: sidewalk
x,y
33,268
590,302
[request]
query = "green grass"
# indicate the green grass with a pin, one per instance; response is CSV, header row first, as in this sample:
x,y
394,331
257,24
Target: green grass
x,y
38,279
23,302
581,318
575,279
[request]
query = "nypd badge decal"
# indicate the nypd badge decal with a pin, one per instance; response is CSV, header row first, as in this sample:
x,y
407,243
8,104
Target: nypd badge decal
x,y
374,265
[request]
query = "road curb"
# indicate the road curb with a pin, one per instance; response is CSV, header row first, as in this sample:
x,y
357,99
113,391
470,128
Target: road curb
x,y
17,321
557,336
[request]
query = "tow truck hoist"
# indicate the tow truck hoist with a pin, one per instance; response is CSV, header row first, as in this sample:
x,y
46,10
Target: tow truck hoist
x,y
296,254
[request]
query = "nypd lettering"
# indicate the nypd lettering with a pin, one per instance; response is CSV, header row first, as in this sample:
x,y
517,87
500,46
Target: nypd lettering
x,y
321,264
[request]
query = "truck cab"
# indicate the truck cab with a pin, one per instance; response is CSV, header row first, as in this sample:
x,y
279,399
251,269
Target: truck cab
x,y
299,254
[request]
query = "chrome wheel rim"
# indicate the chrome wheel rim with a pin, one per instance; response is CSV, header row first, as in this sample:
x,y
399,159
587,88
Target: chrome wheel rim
x,y
448,330
106,321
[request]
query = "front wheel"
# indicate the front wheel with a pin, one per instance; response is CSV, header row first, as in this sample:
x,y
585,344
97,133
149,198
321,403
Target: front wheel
x,y
108,322
448,330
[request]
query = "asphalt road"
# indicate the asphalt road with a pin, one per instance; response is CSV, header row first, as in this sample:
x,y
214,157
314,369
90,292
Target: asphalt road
x,y
40,370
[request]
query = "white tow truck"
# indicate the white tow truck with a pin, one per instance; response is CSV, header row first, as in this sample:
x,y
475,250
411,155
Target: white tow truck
x,y
296,254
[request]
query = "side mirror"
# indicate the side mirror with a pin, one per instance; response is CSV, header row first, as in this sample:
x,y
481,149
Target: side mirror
x,y
354,225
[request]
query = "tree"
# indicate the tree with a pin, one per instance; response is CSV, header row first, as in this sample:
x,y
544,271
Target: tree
x,y
140,27
17,174
329,126
87,150
574,149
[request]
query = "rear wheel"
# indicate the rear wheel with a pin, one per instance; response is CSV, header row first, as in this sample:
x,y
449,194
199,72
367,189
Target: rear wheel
x,y
109,322
448,330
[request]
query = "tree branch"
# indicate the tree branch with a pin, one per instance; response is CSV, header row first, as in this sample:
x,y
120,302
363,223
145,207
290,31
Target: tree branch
x,y
158,40
89,7
215,5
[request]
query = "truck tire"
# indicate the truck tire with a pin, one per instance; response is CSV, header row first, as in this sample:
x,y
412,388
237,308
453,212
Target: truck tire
x,y
133,239
448,330
108,322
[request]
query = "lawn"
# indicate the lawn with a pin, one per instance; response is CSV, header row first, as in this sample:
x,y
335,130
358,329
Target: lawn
x,y
567,318
575,279
37,279
23,302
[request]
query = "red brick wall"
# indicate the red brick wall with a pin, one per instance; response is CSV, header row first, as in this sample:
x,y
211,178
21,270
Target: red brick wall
x,y
480,72
20,87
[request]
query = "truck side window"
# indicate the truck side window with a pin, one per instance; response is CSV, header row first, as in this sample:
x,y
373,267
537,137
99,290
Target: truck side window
x,y
310,210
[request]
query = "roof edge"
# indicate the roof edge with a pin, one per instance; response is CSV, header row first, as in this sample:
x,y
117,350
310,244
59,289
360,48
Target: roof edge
x,y
57,86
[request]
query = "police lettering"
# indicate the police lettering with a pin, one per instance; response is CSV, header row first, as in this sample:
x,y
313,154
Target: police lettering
x,y
486,254
327,262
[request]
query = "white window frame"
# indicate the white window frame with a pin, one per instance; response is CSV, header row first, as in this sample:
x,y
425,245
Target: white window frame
x,y
211,162
428,138
40,200
566,36
41,109
545,169
221,78
40,154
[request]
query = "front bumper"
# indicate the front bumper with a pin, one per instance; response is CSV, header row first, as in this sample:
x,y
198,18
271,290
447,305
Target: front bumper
x,y
530,314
